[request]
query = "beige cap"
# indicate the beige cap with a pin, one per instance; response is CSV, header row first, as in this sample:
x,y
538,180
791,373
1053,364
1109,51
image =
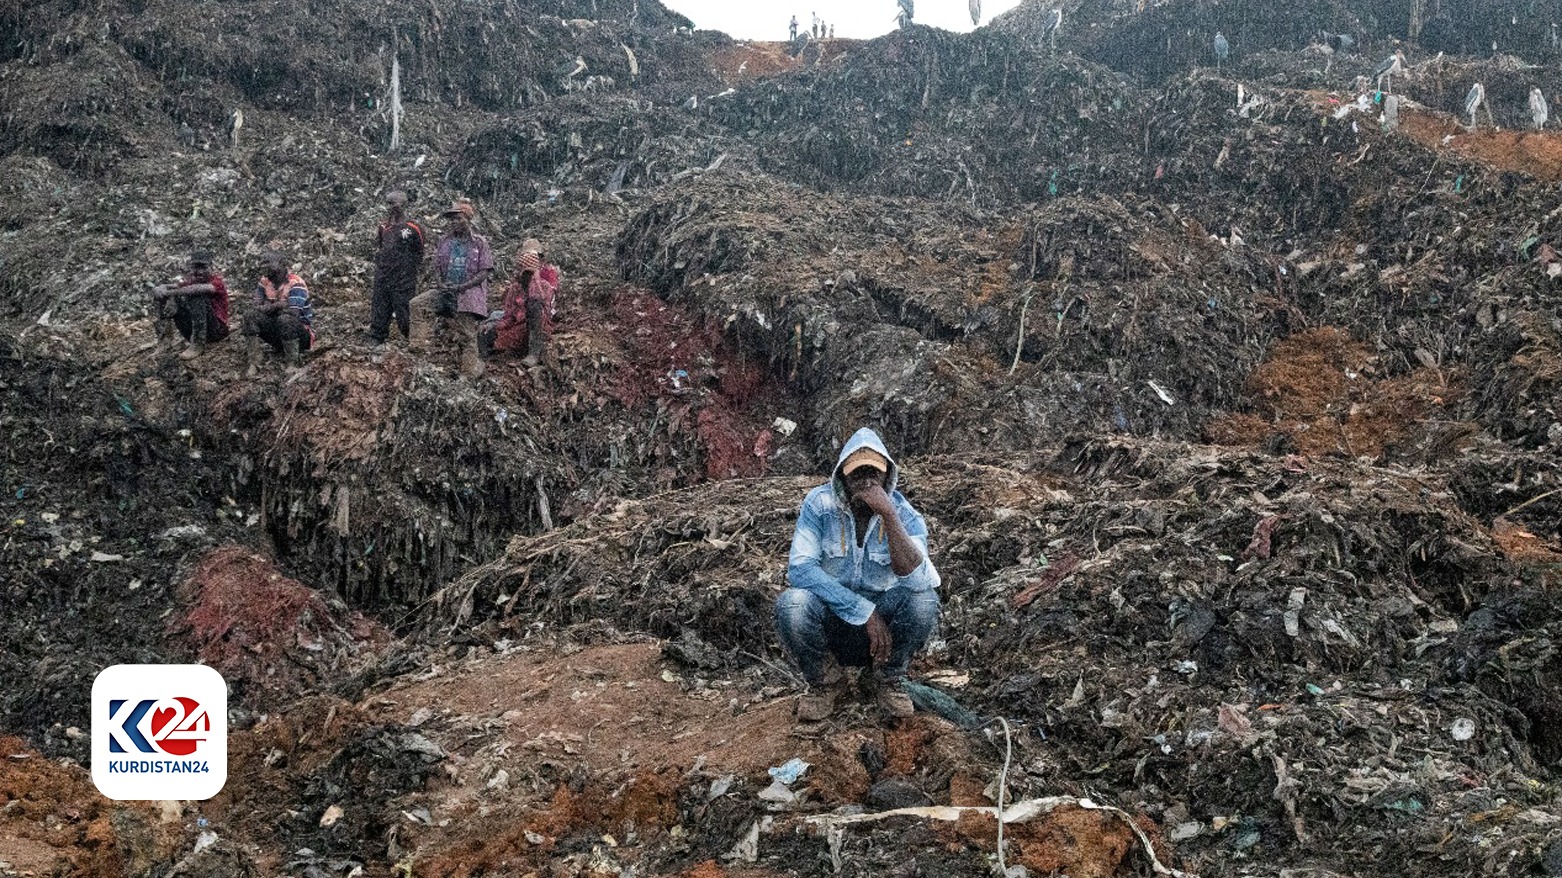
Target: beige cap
x,y
865,457
531,245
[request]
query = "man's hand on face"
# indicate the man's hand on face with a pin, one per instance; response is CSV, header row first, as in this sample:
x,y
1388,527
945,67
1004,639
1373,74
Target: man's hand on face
x,y
880,641
871,492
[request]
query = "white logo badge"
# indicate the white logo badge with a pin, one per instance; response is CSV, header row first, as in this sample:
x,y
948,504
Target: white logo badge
x,y
159,732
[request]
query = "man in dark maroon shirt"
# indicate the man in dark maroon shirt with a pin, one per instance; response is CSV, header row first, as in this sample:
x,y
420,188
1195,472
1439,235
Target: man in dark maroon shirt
x,y
200,305
398,256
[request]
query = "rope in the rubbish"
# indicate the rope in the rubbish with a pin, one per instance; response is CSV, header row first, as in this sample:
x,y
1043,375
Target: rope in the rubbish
x,y
1003,786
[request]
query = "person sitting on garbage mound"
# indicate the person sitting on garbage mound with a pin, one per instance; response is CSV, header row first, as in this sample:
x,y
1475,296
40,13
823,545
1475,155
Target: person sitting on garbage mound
x,y
528,306
200,310
284,316
862,587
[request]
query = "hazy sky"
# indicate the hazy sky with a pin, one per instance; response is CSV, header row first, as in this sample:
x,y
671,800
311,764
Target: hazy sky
x,y
767,19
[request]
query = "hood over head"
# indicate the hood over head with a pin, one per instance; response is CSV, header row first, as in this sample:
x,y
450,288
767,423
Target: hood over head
x,y
864,438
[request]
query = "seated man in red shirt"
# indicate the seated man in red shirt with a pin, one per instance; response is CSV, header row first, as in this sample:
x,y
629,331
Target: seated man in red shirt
x,y
528,306
200,305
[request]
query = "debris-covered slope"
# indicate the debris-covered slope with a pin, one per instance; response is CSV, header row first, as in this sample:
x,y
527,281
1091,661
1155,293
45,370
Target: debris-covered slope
x,y
1232,641
1232,407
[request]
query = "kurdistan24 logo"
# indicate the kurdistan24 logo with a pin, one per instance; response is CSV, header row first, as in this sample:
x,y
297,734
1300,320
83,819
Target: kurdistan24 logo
x,y
173,726
159,732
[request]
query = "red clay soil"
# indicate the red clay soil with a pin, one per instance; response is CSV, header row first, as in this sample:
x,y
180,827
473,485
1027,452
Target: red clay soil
x,y
1325,391
1072,841
647,803
250,622
53,821
684,364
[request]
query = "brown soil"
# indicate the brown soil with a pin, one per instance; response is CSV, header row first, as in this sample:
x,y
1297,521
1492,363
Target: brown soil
x,y
1324,391
53,822
600,741
744,61
1536,153
589,706
1068,840
1523,545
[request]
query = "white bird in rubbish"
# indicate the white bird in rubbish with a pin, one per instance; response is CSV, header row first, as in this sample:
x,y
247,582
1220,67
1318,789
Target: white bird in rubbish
x,y
1539,110
976,12
693,103
580,67
1394,64
1222,49
1473,101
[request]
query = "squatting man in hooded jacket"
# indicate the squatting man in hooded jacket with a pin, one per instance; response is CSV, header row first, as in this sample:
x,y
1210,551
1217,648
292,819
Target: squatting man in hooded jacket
x,y
862,587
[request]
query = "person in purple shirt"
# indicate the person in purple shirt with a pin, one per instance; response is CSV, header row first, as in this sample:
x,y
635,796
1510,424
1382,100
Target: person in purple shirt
x,y
459,300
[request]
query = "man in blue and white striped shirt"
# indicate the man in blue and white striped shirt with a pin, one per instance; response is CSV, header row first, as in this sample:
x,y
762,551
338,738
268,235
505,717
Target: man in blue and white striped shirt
x,y
284,317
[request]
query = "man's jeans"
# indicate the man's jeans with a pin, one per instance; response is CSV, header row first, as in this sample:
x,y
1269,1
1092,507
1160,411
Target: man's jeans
x,y
810,631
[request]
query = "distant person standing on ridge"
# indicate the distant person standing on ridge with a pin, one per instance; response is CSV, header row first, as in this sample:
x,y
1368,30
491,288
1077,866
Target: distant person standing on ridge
x,y
398,257
792,31
284,316
200,305
862,587
816,24
832,31
462,263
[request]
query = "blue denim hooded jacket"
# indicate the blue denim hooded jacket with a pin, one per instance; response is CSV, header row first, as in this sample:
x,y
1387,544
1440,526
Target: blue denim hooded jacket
x,y
825,557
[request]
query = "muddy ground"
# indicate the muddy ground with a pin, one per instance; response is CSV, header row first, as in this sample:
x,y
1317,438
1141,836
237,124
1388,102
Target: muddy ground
x,y
1233,410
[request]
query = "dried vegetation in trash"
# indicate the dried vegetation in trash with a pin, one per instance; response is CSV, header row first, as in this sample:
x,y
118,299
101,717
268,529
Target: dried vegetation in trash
x,y
1233,409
